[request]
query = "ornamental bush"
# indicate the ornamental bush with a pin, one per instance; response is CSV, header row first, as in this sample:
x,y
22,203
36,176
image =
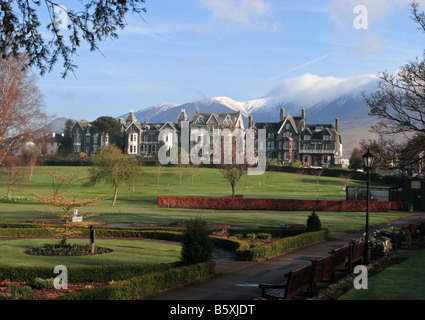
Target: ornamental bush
x,y
313,223
230,203
197,246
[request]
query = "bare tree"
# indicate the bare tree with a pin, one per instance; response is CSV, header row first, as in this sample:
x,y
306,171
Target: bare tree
x,y
347,176
194,171
317,173
180,171
15,171
234,170
30,159
392,155
158,171
399,104
300,174
65,200
21,107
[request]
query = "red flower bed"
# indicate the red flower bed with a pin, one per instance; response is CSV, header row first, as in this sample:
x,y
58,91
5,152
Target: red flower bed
x,y
229,203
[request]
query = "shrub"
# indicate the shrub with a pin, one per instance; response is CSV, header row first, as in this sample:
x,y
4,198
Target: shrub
x,y
146,284
40,283
244,253
230,203
313,223
264,236
197,246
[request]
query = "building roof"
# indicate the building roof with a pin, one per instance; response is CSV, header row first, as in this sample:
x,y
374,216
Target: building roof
x,y
219,118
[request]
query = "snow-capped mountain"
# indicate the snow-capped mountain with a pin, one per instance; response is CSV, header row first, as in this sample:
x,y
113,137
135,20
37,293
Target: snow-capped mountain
x,y
324,98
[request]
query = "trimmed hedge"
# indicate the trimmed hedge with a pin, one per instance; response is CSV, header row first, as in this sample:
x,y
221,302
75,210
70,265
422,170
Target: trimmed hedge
x,y
229,203
146,284
245,253
24,232
77,274
136,233
283,245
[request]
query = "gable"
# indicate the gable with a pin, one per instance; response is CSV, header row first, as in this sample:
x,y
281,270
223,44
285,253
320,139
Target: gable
x,y
284,123
212,119
134,125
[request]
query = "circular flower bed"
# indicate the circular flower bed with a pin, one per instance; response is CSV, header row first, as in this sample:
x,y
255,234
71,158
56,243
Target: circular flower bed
x,y
66,250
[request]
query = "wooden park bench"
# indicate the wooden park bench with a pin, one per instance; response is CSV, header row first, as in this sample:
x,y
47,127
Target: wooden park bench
x,y
323,271
421,229
357,254
342,257
298,283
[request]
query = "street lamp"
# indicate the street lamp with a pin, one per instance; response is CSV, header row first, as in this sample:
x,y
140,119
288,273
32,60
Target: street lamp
x,y
367,162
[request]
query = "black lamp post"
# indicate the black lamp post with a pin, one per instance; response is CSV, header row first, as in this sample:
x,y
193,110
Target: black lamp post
x,y
367,162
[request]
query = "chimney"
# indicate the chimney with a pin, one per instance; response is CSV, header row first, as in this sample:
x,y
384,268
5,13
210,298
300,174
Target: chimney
x,y
303,113
337,124
282,114
250,121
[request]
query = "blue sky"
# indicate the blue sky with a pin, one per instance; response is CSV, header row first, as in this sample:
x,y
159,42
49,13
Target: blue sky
x,y
187,50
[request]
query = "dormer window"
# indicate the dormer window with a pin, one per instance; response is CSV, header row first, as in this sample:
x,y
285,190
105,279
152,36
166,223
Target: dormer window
x,y
200,120
227,120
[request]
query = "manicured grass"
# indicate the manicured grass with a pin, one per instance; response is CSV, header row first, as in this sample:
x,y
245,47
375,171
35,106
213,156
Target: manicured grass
x,y
402,281
137,204
124,252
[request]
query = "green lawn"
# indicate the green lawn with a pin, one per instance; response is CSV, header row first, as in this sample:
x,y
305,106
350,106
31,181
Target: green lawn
x,y
402,281
124,252
137,204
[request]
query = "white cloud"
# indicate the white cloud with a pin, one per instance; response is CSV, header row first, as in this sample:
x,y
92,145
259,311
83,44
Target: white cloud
x,y
342,11
348,14
310,89
239,11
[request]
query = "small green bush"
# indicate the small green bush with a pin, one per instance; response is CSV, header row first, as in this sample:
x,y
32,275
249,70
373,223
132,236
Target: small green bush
x,y
197,245
264,236
146,284
313,223
277,247
40,283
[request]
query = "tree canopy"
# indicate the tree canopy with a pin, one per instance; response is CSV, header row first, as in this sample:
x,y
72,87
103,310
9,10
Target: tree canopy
x,y
45,43
111,166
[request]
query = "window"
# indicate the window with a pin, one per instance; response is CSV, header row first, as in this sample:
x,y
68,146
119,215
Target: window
x,y
288,126
280,146
270,144
270,135
307,137
326,137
